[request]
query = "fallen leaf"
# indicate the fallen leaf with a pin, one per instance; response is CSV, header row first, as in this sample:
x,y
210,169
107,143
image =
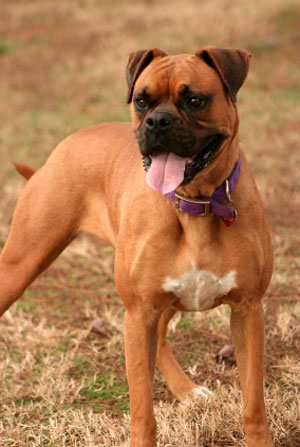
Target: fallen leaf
x,y
98,327
224,353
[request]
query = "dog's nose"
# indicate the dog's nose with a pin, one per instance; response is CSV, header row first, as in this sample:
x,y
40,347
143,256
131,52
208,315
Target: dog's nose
x,y
159,121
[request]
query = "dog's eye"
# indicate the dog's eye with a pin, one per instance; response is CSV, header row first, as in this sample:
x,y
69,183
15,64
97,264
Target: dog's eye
x,y
196,103
140,104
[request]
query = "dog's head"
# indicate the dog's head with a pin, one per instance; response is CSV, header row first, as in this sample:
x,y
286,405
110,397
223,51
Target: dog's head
x,y
183,109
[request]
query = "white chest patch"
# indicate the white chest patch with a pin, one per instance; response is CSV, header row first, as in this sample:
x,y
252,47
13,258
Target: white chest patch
x,y
198,289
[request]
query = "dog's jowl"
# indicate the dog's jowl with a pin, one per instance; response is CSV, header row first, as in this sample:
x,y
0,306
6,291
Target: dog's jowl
x,y
173,193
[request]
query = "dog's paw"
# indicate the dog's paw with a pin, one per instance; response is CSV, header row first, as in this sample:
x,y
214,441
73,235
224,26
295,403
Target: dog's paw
x,y
201,391
197,392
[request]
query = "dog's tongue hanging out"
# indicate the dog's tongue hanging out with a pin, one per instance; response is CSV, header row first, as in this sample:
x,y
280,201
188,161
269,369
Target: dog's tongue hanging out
x,y
166,172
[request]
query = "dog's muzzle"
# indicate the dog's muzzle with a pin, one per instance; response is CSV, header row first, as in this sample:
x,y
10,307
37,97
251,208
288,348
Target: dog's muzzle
x,y
196,163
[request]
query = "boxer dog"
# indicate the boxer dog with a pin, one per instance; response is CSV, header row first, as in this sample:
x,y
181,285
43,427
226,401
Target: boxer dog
x,y
174,195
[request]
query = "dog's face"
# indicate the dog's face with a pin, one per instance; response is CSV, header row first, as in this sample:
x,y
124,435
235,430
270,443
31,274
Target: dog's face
x,y
185,105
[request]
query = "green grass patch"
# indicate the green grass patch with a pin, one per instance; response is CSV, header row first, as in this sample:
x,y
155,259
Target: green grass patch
x,y
64,347
291,95
6,47
27,307
261,48
287,17
187,322
106,388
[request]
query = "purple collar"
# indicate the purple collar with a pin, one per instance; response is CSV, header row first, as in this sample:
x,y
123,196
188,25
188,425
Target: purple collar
x,y
204,205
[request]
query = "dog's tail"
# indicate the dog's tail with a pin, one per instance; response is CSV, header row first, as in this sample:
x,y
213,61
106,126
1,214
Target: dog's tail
x,y
25,171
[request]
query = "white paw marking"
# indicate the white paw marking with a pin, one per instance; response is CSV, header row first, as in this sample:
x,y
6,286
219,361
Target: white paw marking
x,y
202,391
198,289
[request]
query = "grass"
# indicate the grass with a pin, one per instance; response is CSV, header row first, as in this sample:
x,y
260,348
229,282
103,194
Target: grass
x,y
63,68
5,47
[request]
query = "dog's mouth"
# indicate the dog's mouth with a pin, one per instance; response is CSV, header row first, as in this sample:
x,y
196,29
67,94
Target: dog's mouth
x,y
167,171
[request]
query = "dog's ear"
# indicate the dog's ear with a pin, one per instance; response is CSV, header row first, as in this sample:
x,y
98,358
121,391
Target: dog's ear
x,y
231,65
137,62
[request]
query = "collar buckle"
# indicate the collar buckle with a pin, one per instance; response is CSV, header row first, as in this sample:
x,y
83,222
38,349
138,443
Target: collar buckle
x,y
205,203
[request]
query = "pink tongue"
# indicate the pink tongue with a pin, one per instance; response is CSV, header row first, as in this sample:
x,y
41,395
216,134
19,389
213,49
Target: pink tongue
x,y
166,172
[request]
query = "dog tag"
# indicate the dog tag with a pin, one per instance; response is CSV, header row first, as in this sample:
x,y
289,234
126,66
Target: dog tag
x,y
229,222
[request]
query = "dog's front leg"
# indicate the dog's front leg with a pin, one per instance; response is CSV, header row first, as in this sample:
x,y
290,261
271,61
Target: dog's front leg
x,y
140,350
247,326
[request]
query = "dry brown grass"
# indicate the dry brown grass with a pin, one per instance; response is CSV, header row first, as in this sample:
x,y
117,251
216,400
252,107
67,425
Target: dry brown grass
x,y
62,68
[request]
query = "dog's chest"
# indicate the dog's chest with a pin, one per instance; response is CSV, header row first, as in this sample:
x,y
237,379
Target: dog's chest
x,y
197,289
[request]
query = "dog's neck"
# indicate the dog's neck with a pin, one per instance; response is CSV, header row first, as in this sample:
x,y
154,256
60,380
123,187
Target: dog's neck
x,y
203,206
207,180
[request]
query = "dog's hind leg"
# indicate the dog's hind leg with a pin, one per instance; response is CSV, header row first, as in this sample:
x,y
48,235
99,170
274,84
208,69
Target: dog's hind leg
x,y
44,222
179,383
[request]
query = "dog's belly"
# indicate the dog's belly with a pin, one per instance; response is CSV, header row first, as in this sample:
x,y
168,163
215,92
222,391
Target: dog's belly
x,y
198,290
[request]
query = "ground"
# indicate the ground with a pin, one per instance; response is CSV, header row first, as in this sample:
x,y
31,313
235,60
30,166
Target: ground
x,y
63,68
